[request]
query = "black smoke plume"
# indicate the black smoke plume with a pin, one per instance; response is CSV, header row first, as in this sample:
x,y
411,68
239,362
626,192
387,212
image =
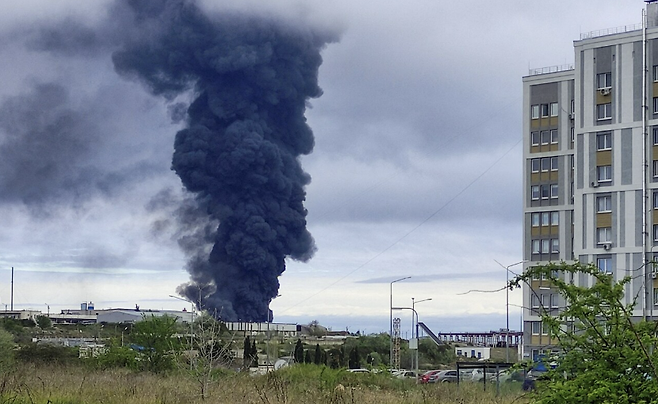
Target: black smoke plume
x,y
251,78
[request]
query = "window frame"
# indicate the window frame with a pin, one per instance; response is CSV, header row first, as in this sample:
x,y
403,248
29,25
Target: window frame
x,y
603,141
535,218
545,246
555,218
555,191
545,137
545,192
603,235
535,193
607,169
604,111
535,138
555,245
655,232
607,267
545,219
544,110
655,73
655,168
534,162
554,136
534,111
603,80
535,246
545,165
553,109
607,208
554,163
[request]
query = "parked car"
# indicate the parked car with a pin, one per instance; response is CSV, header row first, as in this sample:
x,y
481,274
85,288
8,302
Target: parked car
x,y
361,370
405,374
429,376
445,376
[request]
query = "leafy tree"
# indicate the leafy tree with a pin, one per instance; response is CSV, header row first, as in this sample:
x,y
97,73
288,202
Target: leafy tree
x,y
154,338
307,357
247,355
44,322
606,355
299,352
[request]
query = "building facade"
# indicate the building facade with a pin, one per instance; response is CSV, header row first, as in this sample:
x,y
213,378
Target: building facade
x,y
590,157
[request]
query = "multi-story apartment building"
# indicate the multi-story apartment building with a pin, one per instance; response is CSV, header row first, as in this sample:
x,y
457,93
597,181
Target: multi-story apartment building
x,y
590,158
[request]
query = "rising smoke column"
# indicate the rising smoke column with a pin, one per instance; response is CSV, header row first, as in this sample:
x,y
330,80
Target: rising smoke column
x,y
239,153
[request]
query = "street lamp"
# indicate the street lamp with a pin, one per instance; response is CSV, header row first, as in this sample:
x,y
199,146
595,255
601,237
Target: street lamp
x,y
507,271
413,306
416,313
48,306
390,356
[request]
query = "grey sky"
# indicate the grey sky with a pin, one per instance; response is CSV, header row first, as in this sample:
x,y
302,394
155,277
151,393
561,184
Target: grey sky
x,y
421,98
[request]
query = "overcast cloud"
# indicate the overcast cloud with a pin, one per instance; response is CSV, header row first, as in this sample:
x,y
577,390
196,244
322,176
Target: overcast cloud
x,y
416,169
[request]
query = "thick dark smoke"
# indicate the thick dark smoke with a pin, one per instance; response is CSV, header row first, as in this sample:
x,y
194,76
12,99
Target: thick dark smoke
x,y
251,78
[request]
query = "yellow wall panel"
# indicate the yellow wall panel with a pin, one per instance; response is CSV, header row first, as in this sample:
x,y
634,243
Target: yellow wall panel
x,y
604,158
604,220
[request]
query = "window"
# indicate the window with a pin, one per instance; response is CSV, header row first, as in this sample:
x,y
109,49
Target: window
x,y
545,191
544,328
545,246
655,296
573,106
603,80
544,110
604,111
655,168
555,300
534,301
535,247
534,138
554,136
604,141
573,135
604,173
555,218
545,217
655,105
555,245
545,164
553,109
534,164
655,199
545,137
536,326
554,163
603,235
535,219
655,135
554,191
534,192
655,232
604,264
534,111
603,203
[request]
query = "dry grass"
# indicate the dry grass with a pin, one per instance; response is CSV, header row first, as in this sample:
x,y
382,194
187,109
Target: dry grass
x,y
74,385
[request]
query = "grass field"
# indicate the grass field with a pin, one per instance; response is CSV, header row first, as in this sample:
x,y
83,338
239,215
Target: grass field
x,y
299,384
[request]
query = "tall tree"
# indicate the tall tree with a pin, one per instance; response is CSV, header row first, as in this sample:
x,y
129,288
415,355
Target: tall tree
x,y
247,357
299,352
154,337
606,355
317,359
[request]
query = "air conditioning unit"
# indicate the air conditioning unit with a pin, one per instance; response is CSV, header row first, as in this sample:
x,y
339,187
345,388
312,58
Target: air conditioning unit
x,y
606,246
654,275
595,184
572,116
605,91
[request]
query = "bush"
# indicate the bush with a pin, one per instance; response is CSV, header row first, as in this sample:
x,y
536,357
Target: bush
x,y
45,353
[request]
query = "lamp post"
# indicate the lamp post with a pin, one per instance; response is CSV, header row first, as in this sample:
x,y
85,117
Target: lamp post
x,y
390,356
416,313
507,271
48,306
415,327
